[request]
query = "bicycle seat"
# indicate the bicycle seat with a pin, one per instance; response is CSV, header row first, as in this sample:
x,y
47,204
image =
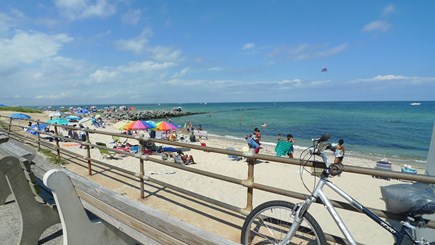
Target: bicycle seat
x,y
410,199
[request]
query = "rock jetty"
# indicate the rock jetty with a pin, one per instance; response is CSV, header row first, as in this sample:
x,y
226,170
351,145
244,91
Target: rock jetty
x,y
145,115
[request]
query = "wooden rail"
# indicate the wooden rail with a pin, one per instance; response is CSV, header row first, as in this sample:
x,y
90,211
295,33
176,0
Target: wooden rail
x,y
248,182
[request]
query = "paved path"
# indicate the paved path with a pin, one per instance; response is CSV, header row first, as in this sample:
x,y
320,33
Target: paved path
x,y
10,222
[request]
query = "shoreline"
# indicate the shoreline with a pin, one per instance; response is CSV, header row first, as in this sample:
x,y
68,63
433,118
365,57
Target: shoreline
x,y
351,157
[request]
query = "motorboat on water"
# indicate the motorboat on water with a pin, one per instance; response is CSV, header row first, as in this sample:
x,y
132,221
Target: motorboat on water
x,y
415,103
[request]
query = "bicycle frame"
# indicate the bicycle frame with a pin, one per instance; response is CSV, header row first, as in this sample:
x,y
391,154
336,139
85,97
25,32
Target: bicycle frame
x,y
319,194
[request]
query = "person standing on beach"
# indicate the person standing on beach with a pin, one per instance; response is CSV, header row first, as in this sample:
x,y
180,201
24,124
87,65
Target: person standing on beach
x,y
292,149
257,136
339,152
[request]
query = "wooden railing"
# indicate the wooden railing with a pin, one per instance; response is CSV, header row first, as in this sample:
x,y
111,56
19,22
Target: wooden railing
x,y
249,182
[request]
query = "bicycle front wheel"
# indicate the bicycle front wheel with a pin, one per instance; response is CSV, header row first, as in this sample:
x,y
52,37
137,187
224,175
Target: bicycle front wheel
x,y
270,222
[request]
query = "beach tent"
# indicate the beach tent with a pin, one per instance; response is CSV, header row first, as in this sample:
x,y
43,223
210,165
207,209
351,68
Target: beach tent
x,y
33,129
55,114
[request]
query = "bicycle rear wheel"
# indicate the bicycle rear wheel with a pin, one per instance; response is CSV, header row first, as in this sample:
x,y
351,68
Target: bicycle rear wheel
x,y
269,223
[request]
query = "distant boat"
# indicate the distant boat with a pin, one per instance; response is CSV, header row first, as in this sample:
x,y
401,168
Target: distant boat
x,y
415,103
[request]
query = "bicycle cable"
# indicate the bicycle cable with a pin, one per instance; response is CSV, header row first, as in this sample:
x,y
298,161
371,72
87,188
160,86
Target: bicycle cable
x,y
303,162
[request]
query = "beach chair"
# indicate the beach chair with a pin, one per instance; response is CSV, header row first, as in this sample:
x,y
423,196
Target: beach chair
x,y
385,165
117,140
104,152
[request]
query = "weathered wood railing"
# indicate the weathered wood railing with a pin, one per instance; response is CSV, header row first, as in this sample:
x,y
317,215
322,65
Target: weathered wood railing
x,y
249,182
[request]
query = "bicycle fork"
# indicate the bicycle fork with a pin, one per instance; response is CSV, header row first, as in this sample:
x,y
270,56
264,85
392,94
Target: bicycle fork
x,y
298,211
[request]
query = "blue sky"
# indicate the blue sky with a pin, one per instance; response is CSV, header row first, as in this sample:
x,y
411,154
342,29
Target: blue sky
x,y
181,51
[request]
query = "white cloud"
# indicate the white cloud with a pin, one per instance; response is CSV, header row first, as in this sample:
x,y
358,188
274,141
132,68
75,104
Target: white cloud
x,y
81,9
333,51
389,9
146,66
295,82
182,73
248,46
102,75
215,68
162,53
395,79
378,25
132,17
388,77
28,47
307,51
136,46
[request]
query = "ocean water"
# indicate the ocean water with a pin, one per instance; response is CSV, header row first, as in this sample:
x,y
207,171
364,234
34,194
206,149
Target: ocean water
x,y
376,129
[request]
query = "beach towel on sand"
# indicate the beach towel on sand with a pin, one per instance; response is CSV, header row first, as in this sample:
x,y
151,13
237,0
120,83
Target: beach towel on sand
x,y
283,148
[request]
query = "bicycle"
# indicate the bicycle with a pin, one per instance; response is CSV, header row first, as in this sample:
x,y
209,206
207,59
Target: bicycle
x,y
281,222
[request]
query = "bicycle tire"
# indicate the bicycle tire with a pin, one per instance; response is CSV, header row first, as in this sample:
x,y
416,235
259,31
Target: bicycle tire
x,y
269,223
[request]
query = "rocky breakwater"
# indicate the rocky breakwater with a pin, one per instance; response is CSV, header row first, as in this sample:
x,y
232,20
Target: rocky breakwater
x,y
146,115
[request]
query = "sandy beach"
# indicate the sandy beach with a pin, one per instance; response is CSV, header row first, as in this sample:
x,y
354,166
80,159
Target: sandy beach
x,y
366,189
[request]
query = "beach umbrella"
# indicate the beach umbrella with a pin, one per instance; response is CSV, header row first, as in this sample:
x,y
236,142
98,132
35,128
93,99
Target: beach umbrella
x,y
165,126
55,114
19,116
138,125
59,121
75,118
119,125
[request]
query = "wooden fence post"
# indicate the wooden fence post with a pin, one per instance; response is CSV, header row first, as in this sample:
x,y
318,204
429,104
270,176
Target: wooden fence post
x,y
56,139
250,194
39,135
89,153
142,168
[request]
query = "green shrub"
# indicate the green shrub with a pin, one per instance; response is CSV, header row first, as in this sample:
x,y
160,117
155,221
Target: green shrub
x,y
53,157
19,109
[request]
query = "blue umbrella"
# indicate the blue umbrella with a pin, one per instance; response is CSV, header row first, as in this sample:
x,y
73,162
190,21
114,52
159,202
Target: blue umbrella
x,y
19,116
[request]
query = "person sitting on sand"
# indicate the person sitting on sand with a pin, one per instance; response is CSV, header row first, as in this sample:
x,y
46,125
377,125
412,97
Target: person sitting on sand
x,y
184,159
192,137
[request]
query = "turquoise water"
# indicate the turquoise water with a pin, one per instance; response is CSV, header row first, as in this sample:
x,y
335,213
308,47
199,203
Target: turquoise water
x,y
378,129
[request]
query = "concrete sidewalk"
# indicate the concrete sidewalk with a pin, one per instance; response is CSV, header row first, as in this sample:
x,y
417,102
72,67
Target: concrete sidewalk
x,y
10,218
11,222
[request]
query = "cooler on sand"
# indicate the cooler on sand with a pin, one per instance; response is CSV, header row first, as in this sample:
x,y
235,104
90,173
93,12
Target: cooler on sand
x,y
383,164
408,169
